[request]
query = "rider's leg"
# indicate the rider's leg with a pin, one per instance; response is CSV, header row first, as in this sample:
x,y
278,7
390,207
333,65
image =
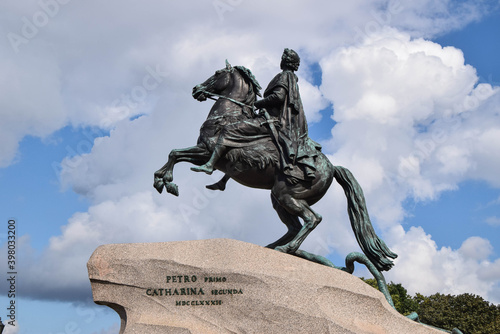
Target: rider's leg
x,y
221,184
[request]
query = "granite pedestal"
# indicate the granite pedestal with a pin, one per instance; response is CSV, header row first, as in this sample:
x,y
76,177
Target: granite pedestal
x,y
229,286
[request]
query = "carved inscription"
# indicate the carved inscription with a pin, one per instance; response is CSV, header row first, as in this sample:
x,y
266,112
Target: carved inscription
x,y
183,287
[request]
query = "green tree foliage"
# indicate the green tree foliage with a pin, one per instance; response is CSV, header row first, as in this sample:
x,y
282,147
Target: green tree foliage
x,y
403,302
467,312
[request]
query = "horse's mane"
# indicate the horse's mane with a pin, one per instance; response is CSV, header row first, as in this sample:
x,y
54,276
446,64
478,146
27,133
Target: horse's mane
x,y
247,74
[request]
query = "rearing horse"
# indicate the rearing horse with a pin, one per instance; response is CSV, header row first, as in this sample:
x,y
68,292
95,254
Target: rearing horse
x,y
256,165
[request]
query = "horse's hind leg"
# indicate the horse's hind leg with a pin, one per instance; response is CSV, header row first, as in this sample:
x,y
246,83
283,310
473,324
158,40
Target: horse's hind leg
x,y
303,210
291,221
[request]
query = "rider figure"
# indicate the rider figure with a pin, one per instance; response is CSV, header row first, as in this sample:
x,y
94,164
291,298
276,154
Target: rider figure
x,y
283,105
282,102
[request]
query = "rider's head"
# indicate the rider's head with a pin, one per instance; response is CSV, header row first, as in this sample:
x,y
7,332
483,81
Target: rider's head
x,y
290,60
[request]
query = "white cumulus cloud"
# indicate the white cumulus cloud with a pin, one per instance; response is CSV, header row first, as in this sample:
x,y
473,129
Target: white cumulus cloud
x,y
411,122
425,268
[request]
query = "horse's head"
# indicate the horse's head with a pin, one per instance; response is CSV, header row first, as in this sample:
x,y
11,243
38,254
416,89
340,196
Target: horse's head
x,y
216,84
236,81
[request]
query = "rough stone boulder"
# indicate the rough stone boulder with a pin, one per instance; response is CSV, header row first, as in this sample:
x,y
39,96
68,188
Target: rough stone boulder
x,y
229,286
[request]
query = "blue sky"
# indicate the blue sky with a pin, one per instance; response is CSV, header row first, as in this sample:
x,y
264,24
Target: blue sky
x,y
469,206
77,159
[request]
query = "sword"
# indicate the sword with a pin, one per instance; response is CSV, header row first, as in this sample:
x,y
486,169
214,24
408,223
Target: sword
x,y
274,134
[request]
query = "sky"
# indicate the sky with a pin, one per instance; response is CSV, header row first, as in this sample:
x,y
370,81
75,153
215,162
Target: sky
x,y
94,95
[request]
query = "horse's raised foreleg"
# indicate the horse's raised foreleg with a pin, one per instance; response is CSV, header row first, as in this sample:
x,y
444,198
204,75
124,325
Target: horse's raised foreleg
x,y
291,221
179,155
301,209
164,176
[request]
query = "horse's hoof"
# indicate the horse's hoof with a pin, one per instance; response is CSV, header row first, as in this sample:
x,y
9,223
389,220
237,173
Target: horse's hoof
x,y
158,184
167,177
283,249
172,188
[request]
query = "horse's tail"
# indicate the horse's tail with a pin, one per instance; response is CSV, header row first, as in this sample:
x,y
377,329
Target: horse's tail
x,y
373,247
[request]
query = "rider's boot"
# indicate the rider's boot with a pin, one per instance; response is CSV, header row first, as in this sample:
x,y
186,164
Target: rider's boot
x,y
220,185
208,168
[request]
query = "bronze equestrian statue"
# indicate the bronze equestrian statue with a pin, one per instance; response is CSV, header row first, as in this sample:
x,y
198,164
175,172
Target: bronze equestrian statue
x,y
272,150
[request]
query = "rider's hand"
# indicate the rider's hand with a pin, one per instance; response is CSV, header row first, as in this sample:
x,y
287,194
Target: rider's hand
x,y
292,180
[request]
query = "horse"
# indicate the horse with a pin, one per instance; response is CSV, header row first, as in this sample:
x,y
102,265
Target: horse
x,y
256,165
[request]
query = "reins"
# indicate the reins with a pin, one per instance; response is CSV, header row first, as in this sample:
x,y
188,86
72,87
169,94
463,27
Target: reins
x,y
225,97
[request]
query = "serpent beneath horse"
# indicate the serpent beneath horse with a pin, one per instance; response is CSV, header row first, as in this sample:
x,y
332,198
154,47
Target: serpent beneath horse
x,y
256,164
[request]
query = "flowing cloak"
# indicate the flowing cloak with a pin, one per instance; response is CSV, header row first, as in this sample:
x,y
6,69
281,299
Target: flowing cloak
x,y
282,100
